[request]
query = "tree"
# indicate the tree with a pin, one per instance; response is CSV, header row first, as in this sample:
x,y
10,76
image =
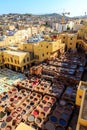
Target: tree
x,y
68,27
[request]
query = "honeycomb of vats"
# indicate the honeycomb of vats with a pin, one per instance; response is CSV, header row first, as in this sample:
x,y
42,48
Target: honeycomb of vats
x,y
37,70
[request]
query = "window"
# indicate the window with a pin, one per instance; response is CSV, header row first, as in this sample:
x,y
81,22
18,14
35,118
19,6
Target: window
x,y
36,57
71,38
27,58
46,46
70,43
43,54
47,53
15,62
11,59
63,37
24,60
80,96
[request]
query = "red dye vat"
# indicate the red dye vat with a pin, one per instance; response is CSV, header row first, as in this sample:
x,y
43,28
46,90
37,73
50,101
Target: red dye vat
x,y
36,112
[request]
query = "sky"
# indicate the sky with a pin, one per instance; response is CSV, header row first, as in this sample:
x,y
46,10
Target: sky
x,y
75,7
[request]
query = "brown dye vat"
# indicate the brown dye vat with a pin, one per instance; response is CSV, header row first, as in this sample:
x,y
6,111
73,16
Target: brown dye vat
x,y
19,109
4,93
14,114
42,115
19,117
8,128
19,98
24,104
14,123
31,97
50,99
38,95
9,119
23,91
11,99
27,100
14,89
35,99
46,98
10,92
15,96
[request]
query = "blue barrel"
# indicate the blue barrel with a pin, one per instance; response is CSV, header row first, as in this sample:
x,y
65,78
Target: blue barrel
x,y
63,122
53,119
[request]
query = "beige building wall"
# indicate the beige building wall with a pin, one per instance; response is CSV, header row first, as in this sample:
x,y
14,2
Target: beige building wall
x,y
16,60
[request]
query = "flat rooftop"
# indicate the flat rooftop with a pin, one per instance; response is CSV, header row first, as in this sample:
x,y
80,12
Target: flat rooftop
x,y
16,53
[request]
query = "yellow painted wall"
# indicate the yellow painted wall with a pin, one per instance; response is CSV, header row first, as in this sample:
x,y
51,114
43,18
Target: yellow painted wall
x,y
81,119
63,38
82,32
46,50
71,42
20,59
28,47
1,59
82,86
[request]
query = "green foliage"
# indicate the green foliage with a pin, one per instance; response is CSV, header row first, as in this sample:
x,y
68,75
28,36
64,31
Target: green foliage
x,y
68,27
